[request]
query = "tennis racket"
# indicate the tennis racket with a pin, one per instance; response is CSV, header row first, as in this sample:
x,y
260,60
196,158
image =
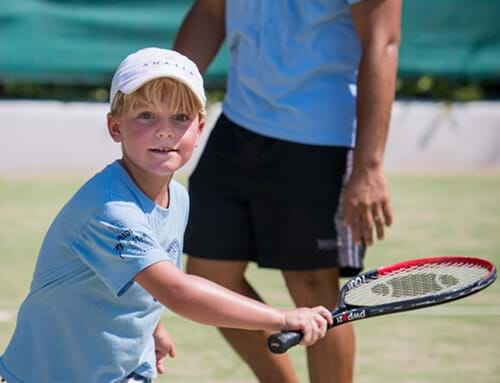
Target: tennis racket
x,y
400,287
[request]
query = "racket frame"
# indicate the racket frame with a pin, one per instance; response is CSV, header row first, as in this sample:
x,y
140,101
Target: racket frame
x,y
345,313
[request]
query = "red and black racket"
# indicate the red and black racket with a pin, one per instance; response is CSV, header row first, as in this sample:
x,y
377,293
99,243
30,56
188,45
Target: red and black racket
x,y
400,287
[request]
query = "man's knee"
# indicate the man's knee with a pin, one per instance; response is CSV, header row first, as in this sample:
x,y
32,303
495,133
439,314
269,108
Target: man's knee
x,y
230,274
312,288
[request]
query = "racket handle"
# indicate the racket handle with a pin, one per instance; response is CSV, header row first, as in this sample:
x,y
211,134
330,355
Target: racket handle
x,y
281,342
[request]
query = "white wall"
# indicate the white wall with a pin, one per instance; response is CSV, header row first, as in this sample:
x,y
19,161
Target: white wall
x,y
444,137
38,137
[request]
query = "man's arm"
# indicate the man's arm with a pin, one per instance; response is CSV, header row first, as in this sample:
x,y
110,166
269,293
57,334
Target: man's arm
x,y
202,32
367,202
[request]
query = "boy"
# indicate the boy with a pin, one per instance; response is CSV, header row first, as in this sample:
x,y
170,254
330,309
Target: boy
x,y
110,259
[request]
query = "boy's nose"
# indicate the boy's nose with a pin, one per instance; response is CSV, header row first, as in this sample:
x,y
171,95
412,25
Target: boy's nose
x,y
165,130
163,134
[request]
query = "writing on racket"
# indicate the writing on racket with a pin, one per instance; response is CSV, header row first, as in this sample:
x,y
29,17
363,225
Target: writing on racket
x,y
401,287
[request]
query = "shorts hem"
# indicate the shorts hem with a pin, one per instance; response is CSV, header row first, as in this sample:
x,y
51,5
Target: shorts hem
x,y
344,271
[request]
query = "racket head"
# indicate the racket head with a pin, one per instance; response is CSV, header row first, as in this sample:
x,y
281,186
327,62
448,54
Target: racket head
x,y
403,286
417,283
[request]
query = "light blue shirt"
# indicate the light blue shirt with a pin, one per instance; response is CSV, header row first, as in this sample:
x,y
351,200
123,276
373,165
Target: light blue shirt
x,y
85,319
293,69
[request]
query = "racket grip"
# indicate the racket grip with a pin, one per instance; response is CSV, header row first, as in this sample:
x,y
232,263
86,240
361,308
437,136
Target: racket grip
x,y
281,342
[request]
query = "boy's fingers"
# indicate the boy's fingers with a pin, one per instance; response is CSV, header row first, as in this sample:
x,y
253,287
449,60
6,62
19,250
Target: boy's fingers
x,y
318,328
171,351
327,314
322,326
306,330
159,365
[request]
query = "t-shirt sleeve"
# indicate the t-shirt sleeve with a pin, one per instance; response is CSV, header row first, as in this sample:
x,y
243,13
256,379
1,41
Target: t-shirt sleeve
x,y
116,243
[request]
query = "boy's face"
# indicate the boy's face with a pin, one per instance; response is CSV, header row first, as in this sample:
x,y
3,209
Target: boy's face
x,y
155,142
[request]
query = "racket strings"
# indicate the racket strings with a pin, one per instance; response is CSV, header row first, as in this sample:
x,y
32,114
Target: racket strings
x,y
415,282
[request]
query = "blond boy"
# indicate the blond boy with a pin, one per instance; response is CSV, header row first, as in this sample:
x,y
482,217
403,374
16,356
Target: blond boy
x,y
110,260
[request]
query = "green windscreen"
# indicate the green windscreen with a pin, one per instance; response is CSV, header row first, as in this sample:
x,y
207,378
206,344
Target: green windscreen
x,y
82,41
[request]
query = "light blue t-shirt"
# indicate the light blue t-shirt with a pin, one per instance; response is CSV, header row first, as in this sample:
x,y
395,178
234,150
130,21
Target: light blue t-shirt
x,y
293,69
85,320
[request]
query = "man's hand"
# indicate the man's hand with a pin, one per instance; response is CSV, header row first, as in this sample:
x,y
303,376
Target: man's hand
x,y
367,205
163,346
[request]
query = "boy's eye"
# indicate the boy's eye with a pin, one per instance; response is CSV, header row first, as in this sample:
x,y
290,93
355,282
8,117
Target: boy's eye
x,y
146,116
181,117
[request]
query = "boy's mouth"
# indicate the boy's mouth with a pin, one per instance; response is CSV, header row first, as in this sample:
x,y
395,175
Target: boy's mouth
x,y
162,150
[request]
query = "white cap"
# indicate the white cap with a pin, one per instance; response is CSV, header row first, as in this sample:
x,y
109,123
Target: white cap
x,y
150,63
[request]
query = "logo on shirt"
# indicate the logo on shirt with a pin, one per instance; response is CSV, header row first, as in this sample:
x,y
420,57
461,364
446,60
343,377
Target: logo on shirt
x,y
133,243
174,249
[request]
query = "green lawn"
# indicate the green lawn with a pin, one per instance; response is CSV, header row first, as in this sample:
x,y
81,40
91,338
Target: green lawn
x,y
434,215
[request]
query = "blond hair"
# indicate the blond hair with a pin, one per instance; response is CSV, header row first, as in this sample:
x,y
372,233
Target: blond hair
x,y
178,96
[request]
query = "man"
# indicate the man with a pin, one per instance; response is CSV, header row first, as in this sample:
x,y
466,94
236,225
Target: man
x,y
279,182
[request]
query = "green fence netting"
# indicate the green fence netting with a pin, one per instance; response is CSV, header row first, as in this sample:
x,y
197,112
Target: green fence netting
x,y
451,38
82,41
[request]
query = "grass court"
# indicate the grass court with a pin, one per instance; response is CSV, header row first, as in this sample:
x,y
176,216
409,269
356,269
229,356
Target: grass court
x,y
433,215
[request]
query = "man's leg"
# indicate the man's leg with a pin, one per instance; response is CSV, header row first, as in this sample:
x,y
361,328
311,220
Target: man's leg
x,y
250,345
332,358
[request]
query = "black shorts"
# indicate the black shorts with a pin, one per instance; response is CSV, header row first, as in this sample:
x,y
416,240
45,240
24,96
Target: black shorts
x,y
273,202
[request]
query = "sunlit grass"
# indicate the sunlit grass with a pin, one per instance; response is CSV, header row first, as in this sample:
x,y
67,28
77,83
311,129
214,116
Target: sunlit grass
x,y
434,215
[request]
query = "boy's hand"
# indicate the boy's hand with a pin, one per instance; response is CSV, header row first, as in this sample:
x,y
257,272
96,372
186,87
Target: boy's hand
x,y
164,346
312,322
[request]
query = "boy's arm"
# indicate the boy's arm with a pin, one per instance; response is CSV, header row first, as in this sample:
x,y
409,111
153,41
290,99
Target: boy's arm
x,y
202,32
206,302
366,198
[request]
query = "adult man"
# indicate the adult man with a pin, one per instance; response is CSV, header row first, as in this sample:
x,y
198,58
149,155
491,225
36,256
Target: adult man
x,y
279,182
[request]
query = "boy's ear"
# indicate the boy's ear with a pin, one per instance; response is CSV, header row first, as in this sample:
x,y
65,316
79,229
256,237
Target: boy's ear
x,y
201,126
114,128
